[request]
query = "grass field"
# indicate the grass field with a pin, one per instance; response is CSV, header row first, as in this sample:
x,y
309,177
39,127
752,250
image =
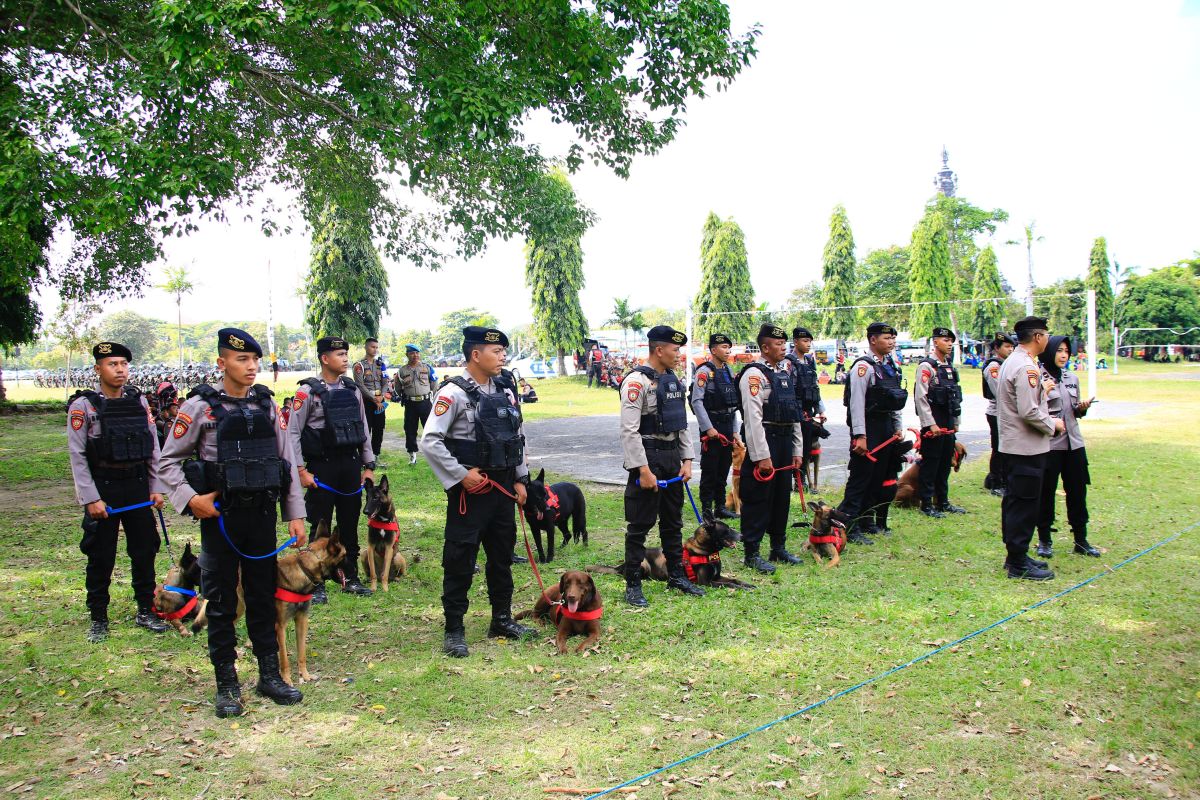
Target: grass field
x,y
1093,695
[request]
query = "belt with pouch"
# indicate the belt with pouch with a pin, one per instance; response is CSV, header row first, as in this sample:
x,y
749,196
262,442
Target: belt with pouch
x,y
419,399
660,444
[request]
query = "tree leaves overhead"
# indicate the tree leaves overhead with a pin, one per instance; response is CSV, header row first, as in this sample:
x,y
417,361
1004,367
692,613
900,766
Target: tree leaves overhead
x,y
987,314
930,276
346,286
839,322
725,300
1099,277
1165,298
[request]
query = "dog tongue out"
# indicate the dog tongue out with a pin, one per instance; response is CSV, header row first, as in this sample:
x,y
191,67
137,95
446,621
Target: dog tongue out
x,y
572,606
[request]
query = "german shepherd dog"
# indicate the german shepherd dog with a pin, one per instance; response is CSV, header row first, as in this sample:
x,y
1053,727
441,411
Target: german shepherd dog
x,y
381,559
573,606
828,523
704,548
185,575
908,487
812,459
733,501
297,574
550,507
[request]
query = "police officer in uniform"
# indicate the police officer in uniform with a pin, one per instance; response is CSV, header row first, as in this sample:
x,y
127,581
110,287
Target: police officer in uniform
x,y
371,376
472,440
714,401
1002,347
938,400
874,398
328,430
1026,426
114,461
414,382
226,447
774,443
657,446
808,392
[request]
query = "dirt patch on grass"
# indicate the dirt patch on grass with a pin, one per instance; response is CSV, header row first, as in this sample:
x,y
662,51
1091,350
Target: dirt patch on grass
x,y
35,494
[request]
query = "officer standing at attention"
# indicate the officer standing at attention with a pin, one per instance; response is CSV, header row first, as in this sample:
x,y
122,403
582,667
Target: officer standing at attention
x,y
874,398
657,446
714,401
1026,426
370,375
114,461
808,392
328,430
774,443
938,400
475,446
245,465
414,385
1002,347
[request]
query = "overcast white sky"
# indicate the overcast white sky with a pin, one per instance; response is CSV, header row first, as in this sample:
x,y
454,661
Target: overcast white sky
x,y
1080,115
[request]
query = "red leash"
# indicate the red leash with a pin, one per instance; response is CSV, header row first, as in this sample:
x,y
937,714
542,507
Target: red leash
x,y
881,445
763,477
724,440
483,488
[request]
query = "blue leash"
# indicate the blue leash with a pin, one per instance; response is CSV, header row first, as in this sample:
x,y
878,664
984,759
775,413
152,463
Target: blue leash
x,y
889,672
179,590
221,524
123,509
677,479
321,484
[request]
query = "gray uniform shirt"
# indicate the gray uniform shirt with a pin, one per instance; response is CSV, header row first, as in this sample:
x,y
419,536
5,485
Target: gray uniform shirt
x,y
194,434
368,374
754,389
639,395
1062,404
991,374
83,423
309,411
699,387
453,417
413,382
862,377
926,377
1024,422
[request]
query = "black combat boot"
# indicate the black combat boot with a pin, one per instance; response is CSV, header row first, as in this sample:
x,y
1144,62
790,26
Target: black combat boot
x,y
855,536
949,508
229,693
454,643
519,559
1045,549
271,684
756,562
677,580
781,554
929,510
724,513
1082,548
320,596
1029,572
633,589
147,619
354,586
503,625
98,631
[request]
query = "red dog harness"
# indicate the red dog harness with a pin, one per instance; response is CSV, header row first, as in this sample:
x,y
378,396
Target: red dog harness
x,y
815,537
382,526
690,562
551,505
579,616
291,597
181,613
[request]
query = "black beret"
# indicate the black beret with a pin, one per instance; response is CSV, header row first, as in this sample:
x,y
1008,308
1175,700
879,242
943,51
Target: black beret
x,y
104,350
801,333
718,338
665,333
237,340
327,344
1004,338
876,328
770,330
945,333
477,334
1031,324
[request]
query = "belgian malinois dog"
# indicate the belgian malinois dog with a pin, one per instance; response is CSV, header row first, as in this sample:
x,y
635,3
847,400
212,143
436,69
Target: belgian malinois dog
x,y
381,559
297,574
701,557
828,534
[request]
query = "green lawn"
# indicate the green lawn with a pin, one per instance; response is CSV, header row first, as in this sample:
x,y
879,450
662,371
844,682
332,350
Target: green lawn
x,y
1094,695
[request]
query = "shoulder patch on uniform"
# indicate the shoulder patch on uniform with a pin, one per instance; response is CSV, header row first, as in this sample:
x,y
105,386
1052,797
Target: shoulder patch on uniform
x,y
298,400
924,375
1033,378
77,419
862,370
441,406
182,423
701,379
358,368
995,372
634,392
755,385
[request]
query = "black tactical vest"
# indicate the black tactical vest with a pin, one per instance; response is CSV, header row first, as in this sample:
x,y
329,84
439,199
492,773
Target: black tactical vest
x,y
808,388
126,436
721,394
498,443
987,390
248,467
782,406
344,432
885,396
671,414
945,393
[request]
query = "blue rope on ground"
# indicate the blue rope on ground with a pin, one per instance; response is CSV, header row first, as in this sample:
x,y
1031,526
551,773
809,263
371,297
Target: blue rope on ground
x,y
892,671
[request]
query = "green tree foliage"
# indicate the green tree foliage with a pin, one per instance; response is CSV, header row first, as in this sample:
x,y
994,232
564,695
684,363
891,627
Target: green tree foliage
x,y
724,284
839,321
121,121
1165,298
930,276
987,314
882,277
141,335
423,339
1064,304
178,283
657,315
626,317
797,309
554,268
447,340
1099,279
346,286
965,224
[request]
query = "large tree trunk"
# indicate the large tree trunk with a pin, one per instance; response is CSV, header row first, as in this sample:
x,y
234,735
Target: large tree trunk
x,y
562,362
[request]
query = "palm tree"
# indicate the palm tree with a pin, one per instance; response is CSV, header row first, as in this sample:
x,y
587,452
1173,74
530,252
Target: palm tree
x,y
1029,242
630,319
178,283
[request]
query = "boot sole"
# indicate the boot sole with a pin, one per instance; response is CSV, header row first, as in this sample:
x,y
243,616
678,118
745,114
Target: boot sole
x,y
279,701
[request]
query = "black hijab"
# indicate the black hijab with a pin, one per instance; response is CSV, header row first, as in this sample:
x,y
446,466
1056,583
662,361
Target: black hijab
x,y
1047,356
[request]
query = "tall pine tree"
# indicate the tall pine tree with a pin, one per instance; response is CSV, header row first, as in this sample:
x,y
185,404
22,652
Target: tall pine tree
x,y
554,268
840,322
987,314
1099,277
724,284
346,287
930,276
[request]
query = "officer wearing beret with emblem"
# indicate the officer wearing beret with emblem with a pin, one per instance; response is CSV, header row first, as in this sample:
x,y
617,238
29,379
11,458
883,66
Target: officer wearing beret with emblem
x,y
1002,347
714,401
226,448
114,457
328,430
874,398
370,374
1025,425
808,392
774,443
475,446
938,401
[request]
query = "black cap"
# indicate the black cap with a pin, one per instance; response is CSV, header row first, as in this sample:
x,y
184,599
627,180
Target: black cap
x,y
718,338
1031,324
770,330
1004,338
665,333
104,350
876,328
327,344
237,340
801,333
945,333
477,334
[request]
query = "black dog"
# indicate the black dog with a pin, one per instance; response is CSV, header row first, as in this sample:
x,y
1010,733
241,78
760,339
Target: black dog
x,y
701,558
552,507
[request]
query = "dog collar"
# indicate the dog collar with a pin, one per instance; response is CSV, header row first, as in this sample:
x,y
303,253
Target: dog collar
x,y
581,616
291,597
181,613
382,526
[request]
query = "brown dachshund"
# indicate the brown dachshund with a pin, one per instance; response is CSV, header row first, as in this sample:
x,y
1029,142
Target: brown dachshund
x,y
574,606
733,501
828,534
908,487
